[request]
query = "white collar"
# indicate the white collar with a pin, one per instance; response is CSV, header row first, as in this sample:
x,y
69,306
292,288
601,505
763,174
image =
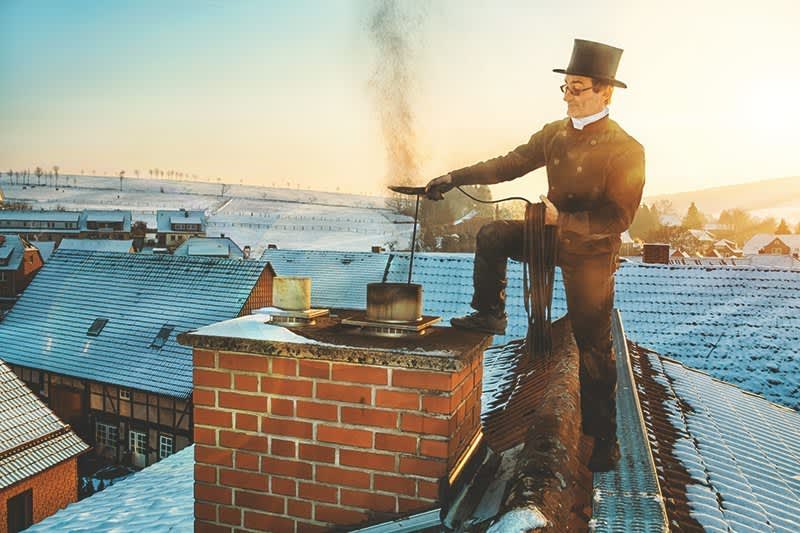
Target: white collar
x,y
580,123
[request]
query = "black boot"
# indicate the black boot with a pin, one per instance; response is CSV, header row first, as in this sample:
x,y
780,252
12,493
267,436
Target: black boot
x,y
604,455
486,322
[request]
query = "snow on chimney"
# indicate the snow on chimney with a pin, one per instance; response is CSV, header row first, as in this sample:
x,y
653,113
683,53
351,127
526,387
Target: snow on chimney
x,y
318,427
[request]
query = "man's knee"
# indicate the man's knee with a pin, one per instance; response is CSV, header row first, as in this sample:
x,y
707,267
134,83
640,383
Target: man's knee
x,y
496,235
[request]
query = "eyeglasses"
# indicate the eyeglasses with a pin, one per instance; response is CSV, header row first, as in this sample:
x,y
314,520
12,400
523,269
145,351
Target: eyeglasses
x,y
575,92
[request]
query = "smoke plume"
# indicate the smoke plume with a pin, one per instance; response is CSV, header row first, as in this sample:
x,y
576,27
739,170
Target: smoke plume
x,y
395,31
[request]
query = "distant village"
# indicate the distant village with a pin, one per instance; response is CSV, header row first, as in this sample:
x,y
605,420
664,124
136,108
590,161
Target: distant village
x,y
127,342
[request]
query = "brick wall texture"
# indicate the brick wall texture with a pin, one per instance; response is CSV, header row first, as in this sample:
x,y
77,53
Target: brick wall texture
x,y
53,489
297,445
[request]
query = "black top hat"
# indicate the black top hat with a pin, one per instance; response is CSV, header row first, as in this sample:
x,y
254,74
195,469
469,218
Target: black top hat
x,y
595,60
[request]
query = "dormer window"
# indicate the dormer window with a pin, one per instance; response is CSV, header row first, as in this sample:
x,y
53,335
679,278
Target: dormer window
x,y
97,326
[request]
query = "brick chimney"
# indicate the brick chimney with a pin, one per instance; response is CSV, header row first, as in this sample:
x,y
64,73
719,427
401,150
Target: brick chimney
x,y
318,428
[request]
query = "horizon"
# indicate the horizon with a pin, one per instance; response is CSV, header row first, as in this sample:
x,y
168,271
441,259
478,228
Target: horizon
x,y
273,93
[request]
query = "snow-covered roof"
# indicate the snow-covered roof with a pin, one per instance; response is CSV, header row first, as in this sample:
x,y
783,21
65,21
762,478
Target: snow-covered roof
x,y
49,216
760,240
701,235
107,216
48,328
11,252
726,460
670,220
338,279
159,498
165,219
97,245
45,248
32,437
210,246
740,324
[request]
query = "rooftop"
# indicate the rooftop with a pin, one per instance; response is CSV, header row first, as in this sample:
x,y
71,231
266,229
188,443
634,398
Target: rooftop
x,y
721,458
32,437
159,499
97,245
210,246
165,219
138,295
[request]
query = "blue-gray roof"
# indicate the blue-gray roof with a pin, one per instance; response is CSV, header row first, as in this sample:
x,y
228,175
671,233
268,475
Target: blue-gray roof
x,y
138,294
740,324
159,499
338,279
32,437
45,248
210,246
51,216
119,246
11,252
726,460
107,216
165,219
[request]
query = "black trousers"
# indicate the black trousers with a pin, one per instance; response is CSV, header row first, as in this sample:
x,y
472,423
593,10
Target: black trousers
x,y
589,286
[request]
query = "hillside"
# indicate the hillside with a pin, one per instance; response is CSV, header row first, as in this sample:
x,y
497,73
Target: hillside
x,y
250,215
778,197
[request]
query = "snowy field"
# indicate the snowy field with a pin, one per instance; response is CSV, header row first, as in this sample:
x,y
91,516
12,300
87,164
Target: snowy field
x,y
250,215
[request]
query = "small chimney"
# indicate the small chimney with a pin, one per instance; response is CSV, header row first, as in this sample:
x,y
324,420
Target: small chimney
x,y
377,249
656,253
271,246
246,252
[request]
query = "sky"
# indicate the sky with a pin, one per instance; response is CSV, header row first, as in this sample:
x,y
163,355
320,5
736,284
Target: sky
x,y
289,93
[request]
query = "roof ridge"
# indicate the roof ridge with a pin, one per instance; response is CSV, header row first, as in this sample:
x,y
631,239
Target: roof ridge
x,y
35,442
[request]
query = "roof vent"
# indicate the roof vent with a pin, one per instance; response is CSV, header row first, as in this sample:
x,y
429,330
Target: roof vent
x,y
393,310
291,296
97,326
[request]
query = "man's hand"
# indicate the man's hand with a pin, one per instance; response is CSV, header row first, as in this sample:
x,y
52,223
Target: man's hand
x,y
550,212
436,188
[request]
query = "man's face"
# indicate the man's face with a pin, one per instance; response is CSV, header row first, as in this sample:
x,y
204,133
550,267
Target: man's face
x,y
584,103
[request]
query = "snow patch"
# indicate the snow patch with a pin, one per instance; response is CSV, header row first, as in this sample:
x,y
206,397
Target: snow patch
x,y
519,521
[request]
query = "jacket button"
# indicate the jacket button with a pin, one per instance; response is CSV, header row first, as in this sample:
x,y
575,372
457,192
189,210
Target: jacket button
x,y
556,161
580,169
593,142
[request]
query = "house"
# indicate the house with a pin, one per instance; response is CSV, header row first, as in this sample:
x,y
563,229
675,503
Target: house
x,y
772,244
174,227
727,248
94,336
19,263
701,242
210,247
697,453
109,224
38,457
98,245
41,225
734,321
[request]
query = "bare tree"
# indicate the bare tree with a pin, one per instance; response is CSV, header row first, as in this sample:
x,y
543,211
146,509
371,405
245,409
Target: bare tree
x,y
55,173
121,175
38,173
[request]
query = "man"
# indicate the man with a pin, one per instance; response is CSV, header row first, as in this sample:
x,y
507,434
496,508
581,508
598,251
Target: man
x,y
596,175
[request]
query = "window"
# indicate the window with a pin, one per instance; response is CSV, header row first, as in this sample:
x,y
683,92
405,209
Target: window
x,y
166,446
107,435
97,326
162,336
20,511
124,394
137,442
2,276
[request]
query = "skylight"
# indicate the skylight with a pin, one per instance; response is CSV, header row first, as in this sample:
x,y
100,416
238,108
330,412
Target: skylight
x,y
97,326
162,336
